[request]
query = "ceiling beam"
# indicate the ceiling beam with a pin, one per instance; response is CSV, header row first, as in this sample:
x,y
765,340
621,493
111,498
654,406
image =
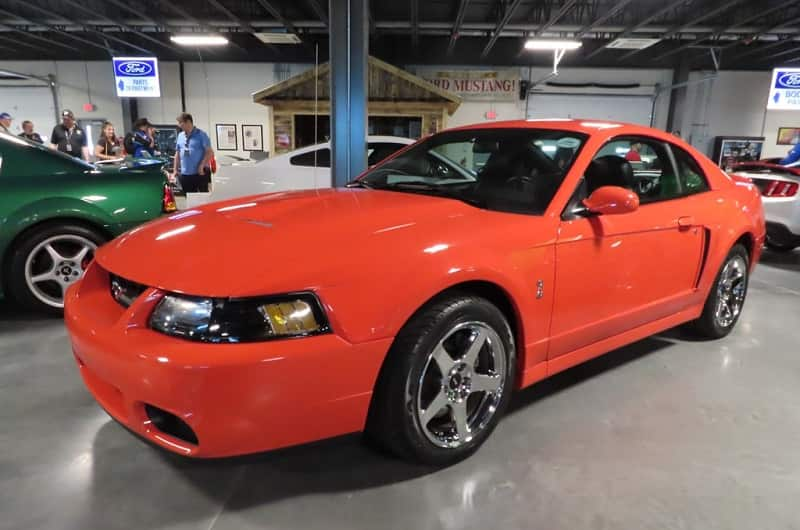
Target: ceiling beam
x,y
724,30
319,11
47,12
274,13
753,37
49,42
56,30
232,17
608,14
77,5
790,51
642,23
18,42
553,20
462,9
677,29
414,5
500,26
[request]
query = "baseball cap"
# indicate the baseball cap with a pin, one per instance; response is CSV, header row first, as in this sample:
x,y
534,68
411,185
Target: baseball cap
x,y
5,116
67,112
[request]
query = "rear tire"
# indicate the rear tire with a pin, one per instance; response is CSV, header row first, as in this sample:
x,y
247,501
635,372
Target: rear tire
x,y
445,383
47,261
726,298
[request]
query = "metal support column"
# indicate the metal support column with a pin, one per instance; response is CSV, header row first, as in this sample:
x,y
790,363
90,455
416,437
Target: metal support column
x,y
349,32
677,100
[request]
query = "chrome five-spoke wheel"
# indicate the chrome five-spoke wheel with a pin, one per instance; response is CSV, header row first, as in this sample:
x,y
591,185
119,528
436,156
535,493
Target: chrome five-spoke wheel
x,y
461,384
56,263
731,289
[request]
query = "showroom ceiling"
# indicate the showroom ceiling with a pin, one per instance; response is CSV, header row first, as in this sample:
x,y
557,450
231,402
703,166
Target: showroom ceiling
x,y
746,34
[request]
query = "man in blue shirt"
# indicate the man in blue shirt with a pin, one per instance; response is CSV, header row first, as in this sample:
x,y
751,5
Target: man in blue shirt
x,y
793,158
193,155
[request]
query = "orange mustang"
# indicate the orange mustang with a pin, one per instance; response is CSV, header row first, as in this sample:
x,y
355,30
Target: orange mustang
x,y
412,303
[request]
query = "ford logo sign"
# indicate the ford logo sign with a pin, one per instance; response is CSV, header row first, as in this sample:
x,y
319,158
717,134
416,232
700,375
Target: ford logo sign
x,y
788,80
134,68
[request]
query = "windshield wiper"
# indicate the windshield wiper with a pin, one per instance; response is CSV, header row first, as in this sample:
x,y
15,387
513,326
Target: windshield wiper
x,y
437,190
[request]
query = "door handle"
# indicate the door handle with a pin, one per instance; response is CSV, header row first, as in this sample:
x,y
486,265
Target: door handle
x,y
686,222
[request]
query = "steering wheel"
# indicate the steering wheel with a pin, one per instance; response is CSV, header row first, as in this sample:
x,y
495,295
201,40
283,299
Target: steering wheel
x,y
644,185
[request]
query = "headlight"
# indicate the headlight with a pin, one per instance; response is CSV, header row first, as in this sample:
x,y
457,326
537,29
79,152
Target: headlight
x,y
239,320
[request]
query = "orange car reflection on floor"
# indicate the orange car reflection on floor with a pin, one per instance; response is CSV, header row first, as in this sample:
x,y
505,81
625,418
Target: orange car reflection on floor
x,y
412,303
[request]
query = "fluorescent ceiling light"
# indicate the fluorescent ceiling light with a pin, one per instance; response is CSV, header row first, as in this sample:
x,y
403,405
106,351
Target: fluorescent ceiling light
x,y
551,44
199,40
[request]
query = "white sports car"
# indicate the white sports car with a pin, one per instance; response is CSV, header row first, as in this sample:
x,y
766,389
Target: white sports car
x,y
305,168
779,193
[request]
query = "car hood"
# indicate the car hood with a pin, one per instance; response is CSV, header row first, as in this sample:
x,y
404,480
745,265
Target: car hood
x,y
287,241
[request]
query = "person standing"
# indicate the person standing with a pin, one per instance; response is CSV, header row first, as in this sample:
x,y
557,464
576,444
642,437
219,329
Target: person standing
x,y
193,155
29,134
633,154
5,122
69,138
142,144
107,147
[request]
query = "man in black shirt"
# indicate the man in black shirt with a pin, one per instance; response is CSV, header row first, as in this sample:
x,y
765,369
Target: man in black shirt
x,y
68,138
28,134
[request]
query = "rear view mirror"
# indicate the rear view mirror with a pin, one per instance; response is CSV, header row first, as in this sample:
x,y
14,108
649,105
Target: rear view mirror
x,y
611,200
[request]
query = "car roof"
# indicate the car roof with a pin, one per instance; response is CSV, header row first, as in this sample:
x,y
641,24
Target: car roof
x,y
585,126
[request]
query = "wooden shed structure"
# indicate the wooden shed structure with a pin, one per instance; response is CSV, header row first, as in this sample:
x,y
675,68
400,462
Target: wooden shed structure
x,y
399,104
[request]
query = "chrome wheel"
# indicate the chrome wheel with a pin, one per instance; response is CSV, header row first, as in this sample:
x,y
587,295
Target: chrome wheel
x,y
55,264
461,384
731,290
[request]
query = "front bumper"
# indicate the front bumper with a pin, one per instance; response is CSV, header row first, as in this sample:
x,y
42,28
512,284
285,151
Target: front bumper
x,y
236,398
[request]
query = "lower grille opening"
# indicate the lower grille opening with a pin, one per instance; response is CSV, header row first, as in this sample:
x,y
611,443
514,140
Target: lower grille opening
x,y
169,423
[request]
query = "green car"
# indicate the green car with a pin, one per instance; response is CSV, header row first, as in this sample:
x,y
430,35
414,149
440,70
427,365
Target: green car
x,y
56,210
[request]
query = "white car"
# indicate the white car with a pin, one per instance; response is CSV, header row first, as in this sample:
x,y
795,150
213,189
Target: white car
x,y
305,168
780,194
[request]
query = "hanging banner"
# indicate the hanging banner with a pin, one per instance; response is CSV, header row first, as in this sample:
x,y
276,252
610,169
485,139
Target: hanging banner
x,y
784,91
136,77
494,85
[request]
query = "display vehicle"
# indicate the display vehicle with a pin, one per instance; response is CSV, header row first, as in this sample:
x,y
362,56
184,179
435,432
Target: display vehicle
x,y
55,210
305,168
779,193
412,303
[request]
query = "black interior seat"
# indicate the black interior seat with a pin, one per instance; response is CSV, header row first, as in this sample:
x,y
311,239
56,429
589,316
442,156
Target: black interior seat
x,y
609,170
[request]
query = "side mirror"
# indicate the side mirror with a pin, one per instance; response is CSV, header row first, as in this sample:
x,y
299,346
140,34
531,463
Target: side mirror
x,y
611,200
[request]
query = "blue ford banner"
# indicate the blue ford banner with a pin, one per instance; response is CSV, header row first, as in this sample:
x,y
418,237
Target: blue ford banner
x,y
136,77
784,91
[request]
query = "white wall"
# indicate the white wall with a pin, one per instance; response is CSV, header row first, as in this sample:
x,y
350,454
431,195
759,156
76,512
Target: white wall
x,y
733,104
74,89
472,111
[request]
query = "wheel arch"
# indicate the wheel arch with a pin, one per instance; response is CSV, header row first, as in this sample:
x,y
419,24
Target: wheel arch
x,y
40,224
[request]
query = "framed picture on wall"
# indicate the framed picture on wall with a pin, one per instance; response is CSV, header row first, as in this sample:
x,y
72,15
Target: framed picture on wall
x,y
731,150
227,139
252,138
788,135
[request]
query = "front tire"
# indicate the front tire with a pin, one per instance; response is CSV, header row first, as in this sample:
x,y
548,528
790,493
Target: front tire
x,y
726,299
446,381
47,261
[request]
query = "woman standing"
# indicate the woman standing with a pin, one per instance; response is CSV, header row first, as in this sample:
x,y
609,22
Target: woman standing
x,y
107,147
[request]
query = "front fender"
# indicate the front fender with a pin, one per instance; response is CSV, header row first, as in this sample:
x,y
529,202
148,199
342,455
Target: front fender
x,y
51,208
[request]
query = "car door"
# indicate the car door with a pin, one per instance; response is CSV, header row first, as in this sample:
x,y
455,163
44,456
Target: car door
x,y
617,272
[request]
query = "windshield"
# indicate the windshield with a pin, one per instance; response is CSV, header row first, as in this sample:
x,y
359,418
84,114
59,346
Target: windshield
x,y
510,170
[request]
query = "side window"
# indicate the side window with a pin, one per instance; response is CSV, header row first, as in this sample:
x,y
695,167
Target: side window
x,y
690,175
637,163
323,158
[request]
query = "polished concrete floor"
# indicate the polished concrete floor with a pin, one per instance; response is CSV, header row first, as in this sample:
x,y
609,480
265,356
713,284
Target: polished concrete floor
x,y
667,433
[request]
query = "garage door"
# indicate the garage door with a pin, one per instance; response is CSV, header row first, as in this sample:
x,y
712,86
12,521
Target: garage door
x,y
631,109
29,103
